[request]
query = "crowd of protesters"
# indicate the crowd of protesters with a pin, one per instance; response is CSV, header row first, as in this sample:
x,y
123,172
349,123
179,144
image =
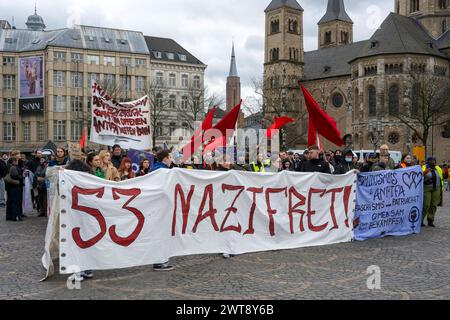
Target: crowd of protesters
x,y
26,186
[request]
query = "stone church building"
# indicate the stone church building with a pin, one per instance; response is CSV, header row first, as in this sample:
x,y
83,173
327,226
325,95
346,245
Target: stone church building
x,y
364,84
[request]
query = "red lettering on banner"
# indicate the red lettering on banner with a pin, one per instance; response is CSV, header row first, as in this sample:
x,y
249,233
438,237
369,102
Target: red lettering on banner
x,y
185,207
270,211
311,212
231,209
332,211
347,193
208,214
127,241
90,211
294,209
255,191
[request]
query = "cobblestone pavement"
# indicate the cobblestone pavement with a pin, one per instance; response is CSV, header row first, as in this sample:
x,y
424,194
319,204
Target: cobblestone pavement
x,y
414,267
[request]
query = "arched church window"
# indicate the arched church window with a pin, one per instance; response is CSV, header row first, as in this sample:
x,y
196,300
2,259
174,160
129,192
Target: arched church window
x,y
338,100
372,94
275,26
394,100
443,4
394,138
414,6
328,37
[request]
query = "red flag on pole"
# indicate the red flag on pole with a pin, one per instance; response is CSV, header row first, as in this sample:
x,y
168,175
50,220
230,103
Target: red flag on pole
x,y
320,122
277,125
189,149
83,140
227,123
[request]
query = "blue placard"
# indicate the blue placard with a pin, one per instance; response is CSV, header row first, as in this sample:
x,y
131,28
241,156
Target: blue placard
x,y
136,158
389,203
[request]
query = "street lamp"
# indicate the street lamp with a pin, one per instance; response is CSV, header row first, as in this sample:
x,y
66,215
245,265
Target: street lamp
x,y
375,131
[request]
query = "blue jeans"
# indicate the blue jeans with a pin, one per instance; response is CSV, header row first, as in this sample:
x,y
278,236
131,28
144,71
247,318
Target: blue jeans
x,y
2,193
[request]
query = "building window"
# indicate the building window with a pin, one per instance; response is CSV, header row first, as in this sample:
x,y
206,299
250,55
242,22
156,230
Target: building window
x,y
172,128
185,128
9,82
159,101
77,79
9,106
444,25
184,81
172,101
274,54
394,103
59,104
110,60
59,130
414,6
327,37
26,131
275,26
110,79
76,130
172,80
9,131
183,57
77,57
394,138
141,62
293,25
157,54
140,84
11,61
372,94
41,131
59,56
338,100
93,59
76,104
170,56
59,78
125,62
159,129
93,78
344,37
159,78
197,82
184,103
443,4
126,82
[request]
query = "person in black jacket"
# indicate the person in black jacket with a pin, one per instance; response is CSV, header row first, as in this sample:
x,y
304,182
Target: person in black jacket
x,y
116,156
346,163
315,164
14,189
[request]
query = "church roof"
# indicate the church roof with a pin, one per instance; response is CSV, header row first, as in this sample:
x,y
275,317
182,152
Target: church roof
x,y
233,67
335,11
399,34
444,41
277,4
331,62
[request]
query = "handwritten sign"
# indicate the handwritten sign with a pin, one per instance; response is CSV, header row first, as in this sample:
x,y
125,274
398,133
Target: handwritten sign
x,y
389,203
113,123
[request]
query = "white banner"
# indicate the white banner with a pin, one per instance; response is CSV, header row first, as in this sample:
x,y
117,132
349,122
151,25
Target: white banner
x,y
107,225
127,124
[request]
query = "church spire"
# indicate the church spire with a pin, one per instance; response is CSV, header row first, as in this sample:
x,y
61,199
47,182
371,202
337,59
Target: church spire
x,y
233,68
335,11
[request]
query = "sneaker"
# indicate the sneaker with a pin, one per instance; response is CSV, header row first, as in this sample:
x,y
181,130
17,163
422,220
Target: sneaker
x,y
87,274
77,277
162,267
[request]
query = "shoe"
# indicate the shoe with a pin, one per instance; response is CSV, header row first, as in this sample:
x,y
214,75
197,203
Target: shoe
x,y
226,256
87,274
162,267
431,224
423,225
77,277
19,219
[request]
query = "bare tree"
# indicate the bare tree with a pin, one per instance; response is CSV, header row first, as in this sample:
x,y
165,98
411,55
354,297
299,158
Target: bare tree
x,y
157,94
428,98
278,98
194,105
113,88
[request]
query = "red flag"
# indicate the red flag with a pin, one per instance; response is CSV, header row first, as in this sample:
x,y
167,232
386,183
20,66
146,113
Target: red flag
x,y
321,122
219,142
277,125
83,140
228,122
188,149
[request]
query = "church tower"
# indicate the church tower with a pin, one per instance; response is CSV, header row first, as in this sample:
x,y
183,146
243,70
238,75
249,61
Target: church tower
x,y
434,15
283,62
234,88
335,27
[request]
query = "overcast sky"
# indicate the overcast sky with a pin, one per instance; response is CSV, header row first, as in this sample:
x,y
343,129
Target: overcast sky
x,y
205,28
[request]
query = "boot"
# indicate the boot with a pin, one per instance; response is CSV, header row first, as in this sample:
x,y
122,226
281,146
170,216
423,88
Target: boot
x,y
431,224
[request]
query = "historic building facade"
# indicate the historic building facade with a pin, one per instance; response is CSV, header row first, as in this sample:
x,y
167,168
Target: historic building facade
x,y
364,84
73,60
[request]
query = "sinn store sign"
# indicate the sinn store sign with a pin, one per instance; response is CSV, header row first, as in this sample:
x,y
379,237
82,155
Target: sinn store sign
x,y
31,106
